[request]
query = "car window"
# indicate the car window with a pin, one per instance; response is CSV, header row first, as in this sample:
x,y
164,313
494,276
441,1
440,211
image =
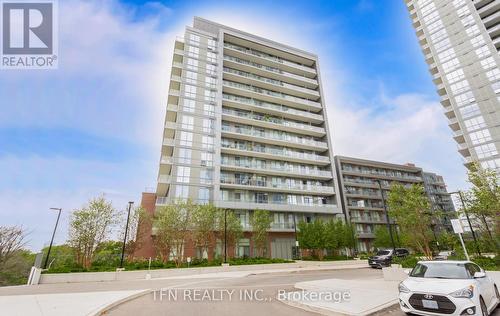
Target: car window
x,y
440,270
472,269
383,252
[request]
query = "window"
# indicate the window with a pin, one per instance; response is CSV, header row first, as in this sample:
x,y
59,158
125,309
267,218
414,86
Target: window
x,y
184,155
193,51
496,87
475,123
205,176
459,87
210,95
463,11
472,30
187,122
188,105
428,9
207,159
194,38
190,91
208,109
468,20
211,70
451,65
465,98
488,63
446,55
192,64
455,76
186,139
203,195
483,52
438,36
212,44
477,41
191,77
210,82
431,17
485,151
181,192
435,26
470,110
491,164
479,137
207,142
208,126
183,174
421,3
493,75
211,57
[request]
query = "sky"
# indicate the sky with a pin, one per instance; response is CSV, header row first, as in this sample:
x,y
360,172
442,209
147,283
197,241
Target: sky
x,y
94,125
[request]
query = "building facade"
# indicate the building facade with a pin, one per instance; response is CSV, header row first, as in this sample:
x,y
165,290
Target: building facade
x,y
246,129
460,40
360,181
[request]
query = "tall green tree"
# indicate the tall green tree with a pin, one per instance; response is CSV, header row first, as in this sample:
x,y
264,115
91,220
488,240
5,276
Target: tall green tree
x,y
204,221
171,223
312,236
411,209
261,222
89,226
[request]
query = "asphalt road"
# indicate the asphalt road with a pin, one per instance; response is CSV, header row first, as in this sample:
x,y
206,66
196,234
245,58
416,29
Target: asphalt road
x,y
252,295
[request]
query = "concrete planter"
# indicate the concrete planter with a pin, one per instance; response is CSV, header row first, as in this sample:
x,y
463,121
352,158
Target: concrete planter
x,y
394,273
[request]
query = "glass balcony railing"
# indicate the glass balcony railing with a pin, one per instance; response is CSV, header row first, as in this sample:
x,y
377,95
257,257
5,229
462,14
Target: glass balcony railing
x,y
271,106
269,57
382,173
316,203
274,120
269,135
274,151
277,185
285,168
271,93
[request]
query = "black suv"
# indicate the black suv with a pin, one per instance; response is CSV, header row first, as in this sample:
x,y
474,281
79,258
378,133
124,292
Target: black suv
x,y
383,258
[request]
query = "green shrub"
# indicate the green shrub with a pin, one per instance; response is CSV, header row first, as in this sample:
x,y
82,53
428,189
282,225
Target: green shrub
x,y
489,264
407,262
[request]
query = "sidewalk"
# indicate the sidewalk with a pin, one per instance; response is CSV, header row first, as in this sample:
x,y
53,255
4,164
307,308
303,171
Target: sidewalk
x,y
366,296
74,304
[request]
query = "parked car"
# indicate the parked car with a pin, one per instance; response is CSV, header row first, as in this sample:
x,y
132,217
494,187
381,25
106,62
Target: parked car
x,y
443,255
383,258
448,288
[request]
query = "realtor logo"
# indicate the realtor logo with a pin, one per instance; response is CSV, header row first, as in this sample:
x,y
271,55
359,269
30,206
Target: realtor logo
x,y
29,37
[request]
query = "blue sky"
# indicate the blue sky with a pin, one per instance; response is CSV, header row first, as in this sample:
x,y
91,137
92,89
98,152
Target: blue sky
x,y
93,126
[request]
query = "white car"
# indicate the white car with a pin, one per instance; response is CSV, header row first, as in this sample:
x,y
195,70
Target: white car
x,y
448,288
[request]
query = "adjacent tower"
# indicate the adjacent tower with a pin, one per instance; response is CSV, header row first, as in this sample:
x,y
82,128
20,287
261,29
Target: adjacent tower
x,y
460,40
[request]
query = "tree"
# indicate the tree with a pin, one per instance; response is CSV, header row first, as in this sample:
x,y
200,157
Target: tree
x,y
234,230
411,209
312,236
136,214
261,222
12,239
89,226
382,237
334,234
172,228
203,221
483,204
349,240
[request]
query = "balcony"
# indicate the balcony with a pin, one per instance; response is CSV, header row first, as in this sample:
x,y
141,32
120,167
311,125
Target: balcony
x,y
367,219
272,153
381,174
260,185
271,122
270,60
365,234
274,138
265,82
276,170
271,108
271,72
269,95
253,204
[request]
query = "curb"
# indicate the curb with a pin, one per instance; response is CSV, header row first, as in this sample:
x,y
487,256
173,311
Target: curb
x,y
102,310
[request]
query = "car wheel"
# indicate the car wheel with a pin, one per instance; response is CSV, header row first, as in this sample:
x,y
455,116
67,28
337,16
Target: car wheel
x,y
484,309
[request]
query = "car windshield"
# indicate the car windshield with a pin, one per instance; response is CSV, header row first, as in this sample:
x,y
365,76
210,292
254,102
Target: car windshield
x,y
383,252
440,270
444,253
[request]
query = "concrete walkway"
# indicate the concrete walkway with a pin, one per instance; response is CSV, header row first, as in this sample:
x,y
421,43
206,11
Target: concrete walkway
x,y
74,304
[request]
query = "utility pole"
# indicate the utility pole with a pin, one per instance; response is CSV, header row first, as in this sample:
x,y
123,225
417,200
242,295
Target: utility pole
x,y
126,232
386,215
53,234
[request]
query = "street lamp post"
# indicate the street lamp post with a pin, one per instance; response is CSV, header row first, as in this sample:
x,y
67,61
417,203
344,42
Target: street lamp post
x,y
126,232
468,220
386,215
225,236
53,234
